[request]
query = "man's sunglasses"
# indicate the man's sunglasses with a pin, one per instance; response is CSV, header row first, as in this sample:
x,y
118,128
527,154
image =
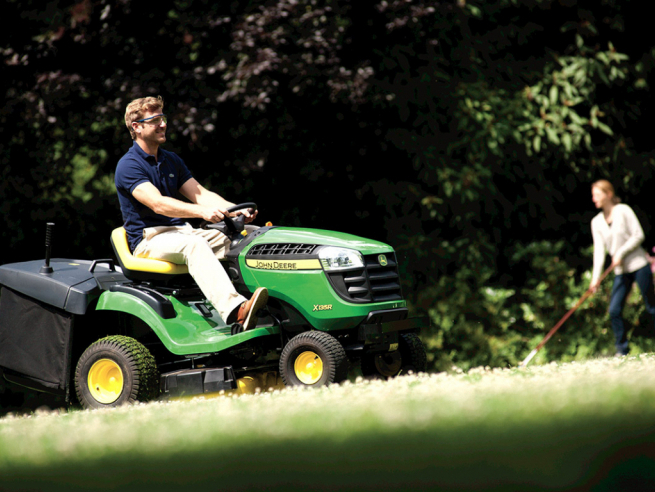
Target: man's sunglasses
x,y
154,120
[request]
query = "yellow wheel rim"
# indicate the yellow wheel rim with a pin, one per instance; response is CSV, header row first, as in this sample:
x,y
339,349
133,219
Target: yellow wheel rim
x,y
105,381
308,367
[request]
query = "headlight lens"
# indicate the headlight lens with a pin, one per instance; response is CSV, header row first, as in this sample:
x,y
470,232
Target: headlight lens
x,y
333,258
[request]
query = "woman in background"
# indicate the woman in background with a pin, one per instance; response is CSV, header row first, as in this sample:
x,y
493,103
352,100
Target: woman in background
x,y
617,231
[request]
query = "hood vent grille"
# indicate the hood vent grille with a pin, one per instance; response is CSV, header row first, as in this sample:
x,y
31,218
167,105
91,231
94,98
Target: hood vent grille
x,y
282,249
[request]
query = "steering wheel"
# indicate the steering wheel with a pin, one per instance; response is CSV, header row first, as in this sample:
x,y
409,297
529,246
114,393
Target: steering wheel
x,y
233,226
241,206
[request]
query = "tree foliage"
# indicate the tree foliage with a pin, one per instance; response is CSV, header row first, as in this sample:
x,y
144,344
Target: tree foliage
x,y
465,133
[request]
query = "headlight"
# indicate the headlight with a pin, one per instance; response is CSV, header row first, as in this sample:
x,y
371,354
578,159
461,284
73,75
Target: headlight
x,y
333,258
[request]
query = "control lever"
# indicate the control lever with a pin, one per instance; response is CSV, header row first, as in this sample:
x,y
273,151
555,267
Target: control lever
x,y
47,269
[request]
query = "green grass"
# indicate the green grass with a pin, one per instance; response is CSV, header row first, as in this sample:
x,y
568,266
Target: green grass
x,y
582,426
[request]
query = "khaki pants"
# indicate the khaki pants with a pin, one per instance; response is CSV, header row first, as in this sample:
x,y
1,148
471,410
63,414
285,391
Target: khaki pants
x,y
200,250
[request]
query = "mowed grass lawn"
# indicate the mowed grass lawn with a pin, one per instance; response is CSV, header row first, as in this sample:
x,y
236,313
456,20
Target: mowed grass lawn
x,y
577,426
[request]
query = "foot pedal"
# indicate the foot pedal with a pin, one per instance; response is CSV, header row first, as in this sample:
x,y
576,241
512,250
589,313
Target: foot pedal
x,y
236,328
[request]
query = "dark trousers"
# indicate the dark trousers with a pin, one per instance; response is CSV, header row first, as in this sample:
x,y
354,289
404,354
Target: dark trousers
x,y
620,290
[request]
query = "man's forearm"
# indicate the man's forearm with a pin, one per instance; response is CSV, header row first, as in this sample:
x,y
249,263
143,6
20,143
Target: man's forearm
x,y
150,196
172,207
210,199
200,195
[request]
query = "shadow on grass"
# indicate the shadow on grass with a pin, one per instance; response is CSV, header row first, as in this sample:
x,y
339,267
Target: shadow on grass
x,y
598,454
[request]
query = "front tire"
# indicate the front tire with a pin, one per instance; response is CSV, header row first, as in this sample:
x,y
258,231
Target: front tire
x,y
114,371
313,358
410,356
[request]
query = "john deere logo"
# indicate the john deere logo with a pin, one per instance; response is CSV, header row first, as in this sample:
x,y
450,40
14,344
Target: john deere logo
x,y
382,260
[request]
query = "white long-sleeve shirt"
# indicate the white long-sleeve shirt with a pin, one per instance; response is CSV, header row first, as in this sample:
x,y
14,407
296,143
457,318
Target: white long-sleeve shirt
x,y
623,238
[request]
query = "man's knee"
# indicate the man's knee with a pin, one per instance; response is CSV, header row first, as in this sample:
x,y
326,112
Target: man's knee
x,y
197,245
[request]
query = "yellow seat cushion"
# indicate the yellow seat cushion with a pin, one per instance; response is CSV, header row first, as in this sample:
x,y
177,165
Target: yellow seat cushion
x,y
131,262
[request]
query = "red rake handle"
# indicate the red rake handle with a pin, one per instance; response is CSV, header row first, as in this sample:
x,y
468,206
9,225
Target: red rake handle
x,y
564,318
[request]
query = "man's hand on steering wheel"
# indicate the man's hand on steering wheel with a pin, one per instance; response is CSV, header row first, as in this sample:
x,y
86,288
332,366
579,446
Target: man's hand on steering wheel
x,y
213,215
248,213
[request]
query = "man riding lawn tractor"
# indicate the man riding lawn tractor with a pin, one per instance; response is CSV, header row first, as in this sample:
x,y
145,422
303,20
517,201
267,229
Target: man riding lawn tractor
x,y
148,179
185,311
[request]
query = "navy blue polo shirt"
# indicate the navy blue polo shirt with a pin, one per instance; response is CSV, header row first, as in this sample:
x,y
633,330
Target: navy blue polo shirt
x,y
167,173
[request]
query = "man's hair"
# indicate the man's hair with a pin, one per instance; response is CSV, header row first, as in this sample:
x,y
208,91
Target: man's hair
x,y
137,109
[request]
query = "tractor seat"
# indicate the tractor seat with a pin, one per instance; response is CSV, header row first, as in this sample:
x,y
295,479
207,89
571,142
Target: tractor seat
x,y
136,268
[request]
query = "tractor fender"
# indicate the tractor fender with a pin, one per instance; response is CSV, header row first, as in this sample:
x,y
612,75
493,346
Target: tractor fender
x,y
188,331
140,308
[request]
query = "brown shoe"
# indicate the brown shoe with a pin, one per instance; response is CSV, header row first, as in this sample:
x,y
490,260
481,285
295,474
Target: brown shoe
x,y
247,313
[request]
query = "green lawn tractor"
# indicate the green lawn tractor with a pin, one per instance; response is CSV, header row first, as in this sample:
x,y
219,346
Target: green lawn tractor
x,y
114,331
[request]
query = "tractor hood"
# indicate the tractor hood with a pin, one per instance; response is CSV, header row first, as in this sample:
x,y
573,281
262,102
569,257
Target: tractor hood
x,y
295,235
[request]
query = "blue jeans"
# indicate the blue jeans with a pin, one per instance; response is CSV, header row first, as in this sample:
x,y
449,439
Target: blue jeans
x,y
620,290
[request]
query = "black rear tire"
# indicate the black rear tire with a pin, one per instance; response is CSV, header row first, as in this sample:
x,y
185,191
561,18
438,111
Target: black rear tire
x,y
313,358
114,371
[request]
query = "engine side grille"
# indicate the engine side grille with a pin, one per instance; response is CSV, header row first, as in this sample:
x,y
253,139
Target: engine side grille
x,y
282,249
374,283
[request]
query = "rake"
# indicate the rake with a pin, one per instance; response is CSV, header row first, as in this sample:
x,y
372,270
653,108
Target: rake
x,y
588,293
